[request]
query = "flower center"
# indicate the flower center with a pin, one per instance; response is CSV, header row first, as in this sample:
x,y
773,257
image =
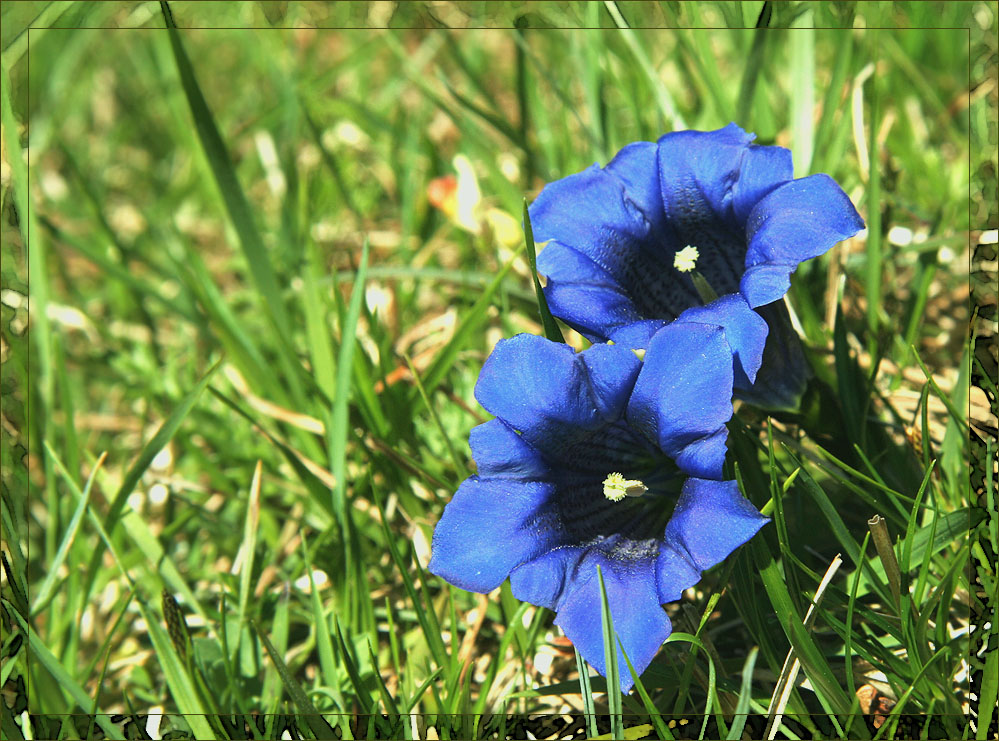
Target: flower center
x,y
617,487
686,261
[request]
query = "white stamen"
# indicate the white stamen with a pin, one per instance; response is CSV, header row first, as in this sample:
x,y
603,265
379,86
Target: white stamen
x,y
686,259
617,487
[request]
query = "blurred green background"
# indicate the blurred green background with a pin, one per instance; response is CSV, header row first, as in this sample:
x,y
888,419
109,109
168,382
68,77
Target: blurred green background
x,y
170,235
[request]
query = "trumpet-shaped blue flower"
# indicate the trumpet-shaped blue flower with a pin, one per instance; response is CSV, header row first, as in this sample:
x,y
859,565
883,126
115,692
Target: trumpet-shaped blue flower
x,y
613,235
598,458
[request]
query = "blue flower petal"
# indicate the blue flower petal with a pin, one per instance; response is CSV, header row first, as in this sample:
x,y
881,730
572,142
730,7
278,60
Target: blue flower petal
x,y
488,529
499,452
784,374
566,580
704,456
718,173
542,580
675,572
611,372
710,182
639,621
797,221
591,308
762,170
683,395
637,167
606,229
559,262
697,171
637,335
591,213
536,387
551,395
711,520
745,332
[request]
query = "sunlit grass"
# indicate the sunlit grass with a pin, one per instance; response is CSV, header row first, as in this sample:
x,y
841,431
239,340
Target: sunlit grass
x,y
253,343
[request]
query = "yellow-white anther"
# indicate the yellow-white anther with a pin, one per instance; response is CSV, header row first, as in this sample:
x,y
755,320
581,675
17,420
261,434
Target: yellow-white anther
x,y
686,259
617,487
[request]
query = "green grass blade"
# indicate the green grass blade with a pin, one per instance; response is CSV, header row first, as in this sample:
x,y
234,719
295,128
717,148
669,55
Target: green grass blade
x,y
237,206
989,690
754,65
41,332
802,93
248,547
315,723
426,621
905,557
552,331
953,449
505,641
159,441
390,707
471,322
459,465
831,101
663,98
888,729
745,695
178,678
712,693
350,664
317,324
873,268
827,508
662,730
48,585
339,415
589,709
850,607
812,660
610,659
324,643
163,569
54,667
418,695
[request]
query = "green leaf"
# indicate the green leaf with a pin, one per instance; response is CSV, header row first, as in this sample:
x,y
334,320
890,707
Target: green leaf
x,y
654,713
307,711
610,662
159,441
471,322
589,707
552,332
663,98
178,678
989,690
339,414
802,93
45,592
54,667
745,695
238,208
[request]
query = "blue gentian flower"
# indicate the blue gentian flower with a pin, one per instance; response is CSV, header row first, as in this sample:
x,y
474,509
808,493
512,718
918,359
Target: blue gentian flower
x,y
613,234
595,459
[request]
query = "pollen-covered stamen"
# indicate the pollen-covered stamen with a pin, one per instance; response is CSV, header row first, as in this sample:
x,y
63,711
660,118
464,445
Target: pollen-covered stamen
x,y
617,487
686,261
